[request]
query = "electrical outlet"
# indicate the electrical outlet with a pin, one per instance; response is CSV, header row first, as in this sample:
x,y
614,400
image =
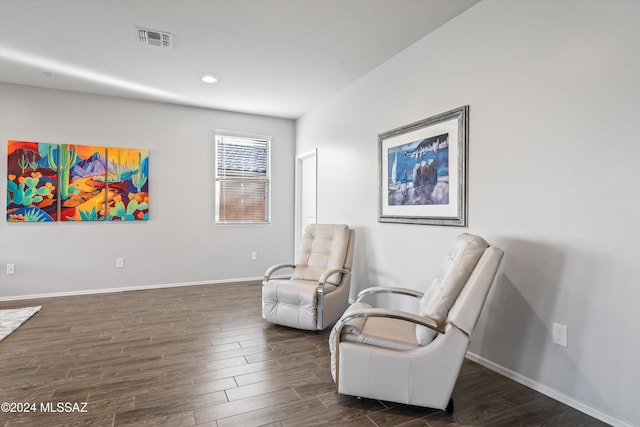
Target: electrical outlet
x,y
560,334
11,269
254,256
119,262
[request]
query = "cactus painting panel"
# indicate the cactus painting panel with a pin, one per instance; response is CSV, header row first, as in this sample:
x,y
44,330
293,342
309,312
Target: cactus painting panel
x,y
82,175
128,184
71,182
32,182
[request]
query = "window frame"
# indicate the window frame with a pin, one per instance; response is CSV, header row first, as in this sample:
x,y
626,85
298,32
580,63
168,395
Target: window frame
x,y
237,176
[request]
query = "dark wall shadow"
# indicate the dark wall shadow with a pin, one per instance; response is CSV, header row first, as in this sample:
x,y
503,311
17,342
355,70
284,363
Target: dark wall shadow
x,y
529,294
365,275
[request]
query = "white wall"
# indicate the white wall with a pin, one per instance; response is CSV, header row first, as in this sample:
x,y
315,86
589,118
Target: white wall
x,y
553,180
180,243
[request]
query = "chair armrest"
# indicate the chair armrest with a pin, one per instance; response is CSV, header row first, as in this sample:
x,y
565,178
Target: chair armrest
x,y
329,273
388,290
388,313
273,269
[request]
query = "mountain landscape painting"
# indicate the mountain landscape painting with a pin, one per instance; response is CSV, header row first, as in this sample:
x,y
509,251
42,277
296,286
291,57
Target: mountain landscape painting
x,y
71,182
82,182
128,184
31,182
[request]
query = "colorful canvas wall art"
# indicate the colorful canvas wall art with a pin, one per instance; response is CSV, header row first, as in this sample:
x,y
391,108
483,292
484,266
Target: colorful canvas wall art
x,y
31,182
128,184
82,171
67,182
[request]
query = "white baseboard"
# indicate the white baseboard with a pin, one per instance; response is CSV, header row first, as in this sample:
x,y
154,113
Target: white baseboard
x,y
130,288
548,391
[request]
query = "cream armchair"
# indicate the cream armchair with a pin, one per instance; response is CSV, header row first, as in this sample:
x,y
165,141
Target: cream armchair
x,y
415,358
317,293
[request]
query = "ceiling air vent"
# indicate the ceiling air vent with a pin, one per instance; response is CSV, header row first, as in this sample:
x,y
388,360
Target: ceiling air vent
x,y
155,38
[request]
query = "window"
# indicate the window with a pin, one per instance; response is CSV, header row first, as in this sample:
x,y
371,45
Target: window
x,y
243,179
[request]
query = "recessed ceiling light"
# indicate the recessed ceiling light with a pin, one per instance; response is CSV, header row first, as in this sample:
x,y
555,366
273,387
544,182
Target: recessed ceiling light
x,y
209,79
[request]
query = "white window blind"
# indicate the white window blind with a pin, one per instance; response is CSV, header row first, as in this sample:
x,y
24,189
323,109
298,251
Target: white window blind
x,y
243,179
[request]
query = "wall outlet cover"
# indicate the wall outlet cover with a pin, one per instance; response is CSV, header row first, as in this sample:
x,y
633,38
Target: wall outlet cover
x,y
560,334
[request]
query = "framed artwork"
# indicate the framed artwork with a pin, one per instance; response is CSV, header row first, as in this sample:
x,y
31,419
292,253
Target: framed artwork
x,y
70,182
422,171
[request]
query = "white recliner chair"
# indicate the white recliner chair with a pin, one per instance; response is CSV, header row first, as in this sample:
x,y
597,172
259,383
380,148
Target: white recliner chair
x,y
317,293
415,358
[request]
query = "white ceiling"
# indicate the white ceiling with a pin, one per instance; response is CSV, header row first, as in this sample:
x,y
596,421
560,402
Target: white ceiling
x,y
271,57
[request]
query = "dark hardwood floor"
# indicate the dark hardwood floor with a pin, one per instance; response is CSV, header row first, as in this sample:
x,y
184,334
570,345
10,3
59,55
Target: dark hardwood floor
x,y
201,355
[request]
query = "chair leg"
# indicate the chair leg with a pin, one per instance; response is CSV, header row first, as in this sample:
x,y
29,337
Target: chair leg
x,y
449,408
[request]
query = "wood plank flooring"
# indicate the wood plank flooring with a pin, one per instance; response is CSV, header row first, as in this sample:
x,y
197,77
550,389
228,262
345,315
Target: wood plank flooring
x,y
202,356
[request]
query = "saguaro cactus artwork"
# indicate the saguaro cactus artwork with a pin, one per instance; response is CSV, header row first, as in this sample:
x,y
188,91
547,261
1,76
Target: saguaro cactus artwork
x,y
31,182
82,183
128,184
71,182
66,158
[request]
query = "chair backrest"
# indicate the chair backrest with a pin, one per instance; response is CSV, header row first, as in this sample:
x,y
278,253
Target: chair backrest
x,y
468,306
348,260
459,264
323,247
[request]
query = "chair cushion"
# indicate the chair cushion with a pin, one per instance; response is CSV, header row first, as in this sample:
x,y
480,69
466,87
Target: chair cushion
x,y
384,332
323,247
294,291
292,302
438,299
381,332
354,325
